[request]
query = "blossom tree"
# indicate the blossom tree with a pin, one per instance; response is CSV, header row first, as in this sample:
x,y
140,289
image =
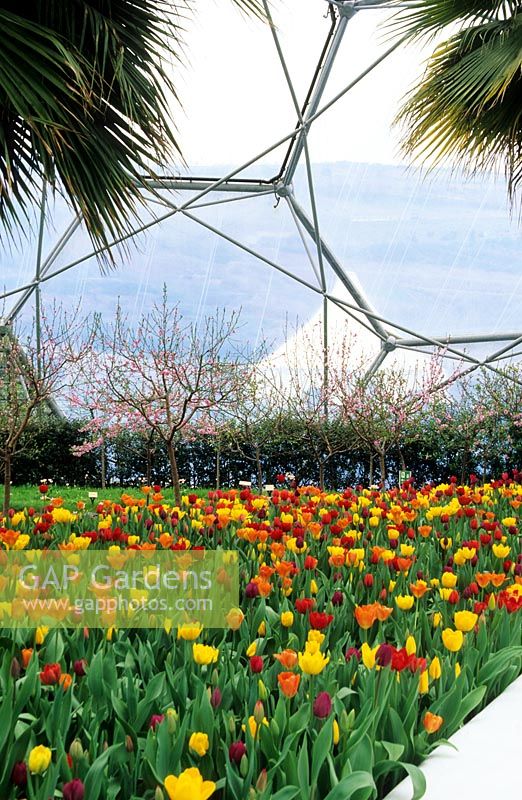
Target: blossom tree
x,y
298,376
165,375
384,411
34,372
255,419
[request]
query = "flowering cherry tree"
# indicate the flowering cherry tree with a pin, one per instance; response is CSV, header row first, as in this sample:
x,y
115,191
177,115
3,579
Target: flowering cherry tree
x,y
385,411
164,375
298,375
33,374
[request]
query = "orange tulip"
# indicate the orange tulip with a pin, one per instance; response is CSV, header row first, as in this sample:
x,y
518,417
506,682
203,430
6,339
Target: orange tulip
x,y
65,681
365,616
289,683
432,722
382,612
288,658
419,588
26,656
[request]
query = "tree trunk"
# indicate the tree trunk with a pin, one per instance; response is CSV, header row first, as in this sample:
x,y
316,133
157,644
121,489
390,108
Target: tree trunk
x,y
382,467
174,472
7,481
259,469
321,475
370,480
149,452
103,465
464,464
401,460
218,465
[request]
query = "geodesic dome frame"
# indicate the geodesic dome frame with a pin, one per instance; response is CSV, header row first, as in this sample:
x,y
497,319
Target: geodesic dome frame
x,y
392,335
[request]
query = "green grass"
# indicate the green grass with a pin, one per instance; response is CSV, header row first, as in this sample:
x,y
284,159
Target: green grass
x,y
27,496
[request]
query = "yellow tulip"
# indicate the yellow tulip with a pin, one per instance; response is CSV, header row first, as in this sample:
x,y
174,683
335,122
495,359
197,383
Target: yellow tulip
x,y
204,654
312,663
189,632
199,743
411,647
435,670
449,580
40,634
501,550
336,735
315,636
252,724
405,601
234,618
452,640
465,620
287,619
189,784
251,650
368,655
437,619
423,682
39,759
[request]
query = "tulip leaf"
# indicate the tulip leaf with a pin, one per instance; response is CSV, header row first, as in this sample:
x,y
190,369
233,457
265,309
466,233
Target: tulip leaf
x,y
299,721
393,749
347,787
321,748
303,770
417,776
468,704
235,782
95,778
288,793
497,663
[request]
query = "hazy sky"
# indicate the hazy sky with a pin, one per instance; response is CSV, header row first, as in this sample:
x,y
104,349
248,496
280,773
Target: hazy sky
x,y
236,102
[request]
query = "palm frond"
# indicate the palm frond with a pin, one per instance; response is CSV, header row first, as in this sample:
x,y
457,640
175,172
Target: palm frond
x,y
467,106
424,18
86,90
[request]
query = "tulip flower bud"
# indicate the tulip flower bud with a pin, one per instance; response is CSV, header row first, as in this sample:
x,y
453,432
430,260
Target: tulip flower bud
x,y
384,655
256,664
322,705
19,774
259,712
73,790
158,794
15,669
231,724
337,598
215,698
172,719
263,694
243,766
129,744
76,750
347,720
274,727
79,667
492,602
262,781
236,751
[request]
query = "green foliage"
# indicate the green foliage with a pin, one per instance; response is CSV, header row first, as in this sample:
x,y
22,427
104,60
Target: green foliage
x,y
466,106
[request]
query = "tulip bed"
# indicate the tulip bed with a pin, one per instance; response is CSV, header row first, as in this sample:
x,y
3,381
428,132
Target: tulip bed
x,y
372,626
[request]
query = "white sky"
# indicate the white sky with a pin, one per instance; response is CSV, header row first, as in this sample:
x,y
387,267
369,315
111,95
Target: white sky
x,y
236,102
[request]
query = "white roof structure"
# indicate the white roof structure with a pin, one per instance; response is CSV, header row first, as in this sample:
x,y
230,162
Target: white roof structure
x,y
397,303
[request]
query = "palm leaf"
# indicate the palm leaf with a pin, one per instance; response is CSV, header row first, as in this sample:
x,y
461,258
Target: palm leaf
x,y
86,91
467,105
